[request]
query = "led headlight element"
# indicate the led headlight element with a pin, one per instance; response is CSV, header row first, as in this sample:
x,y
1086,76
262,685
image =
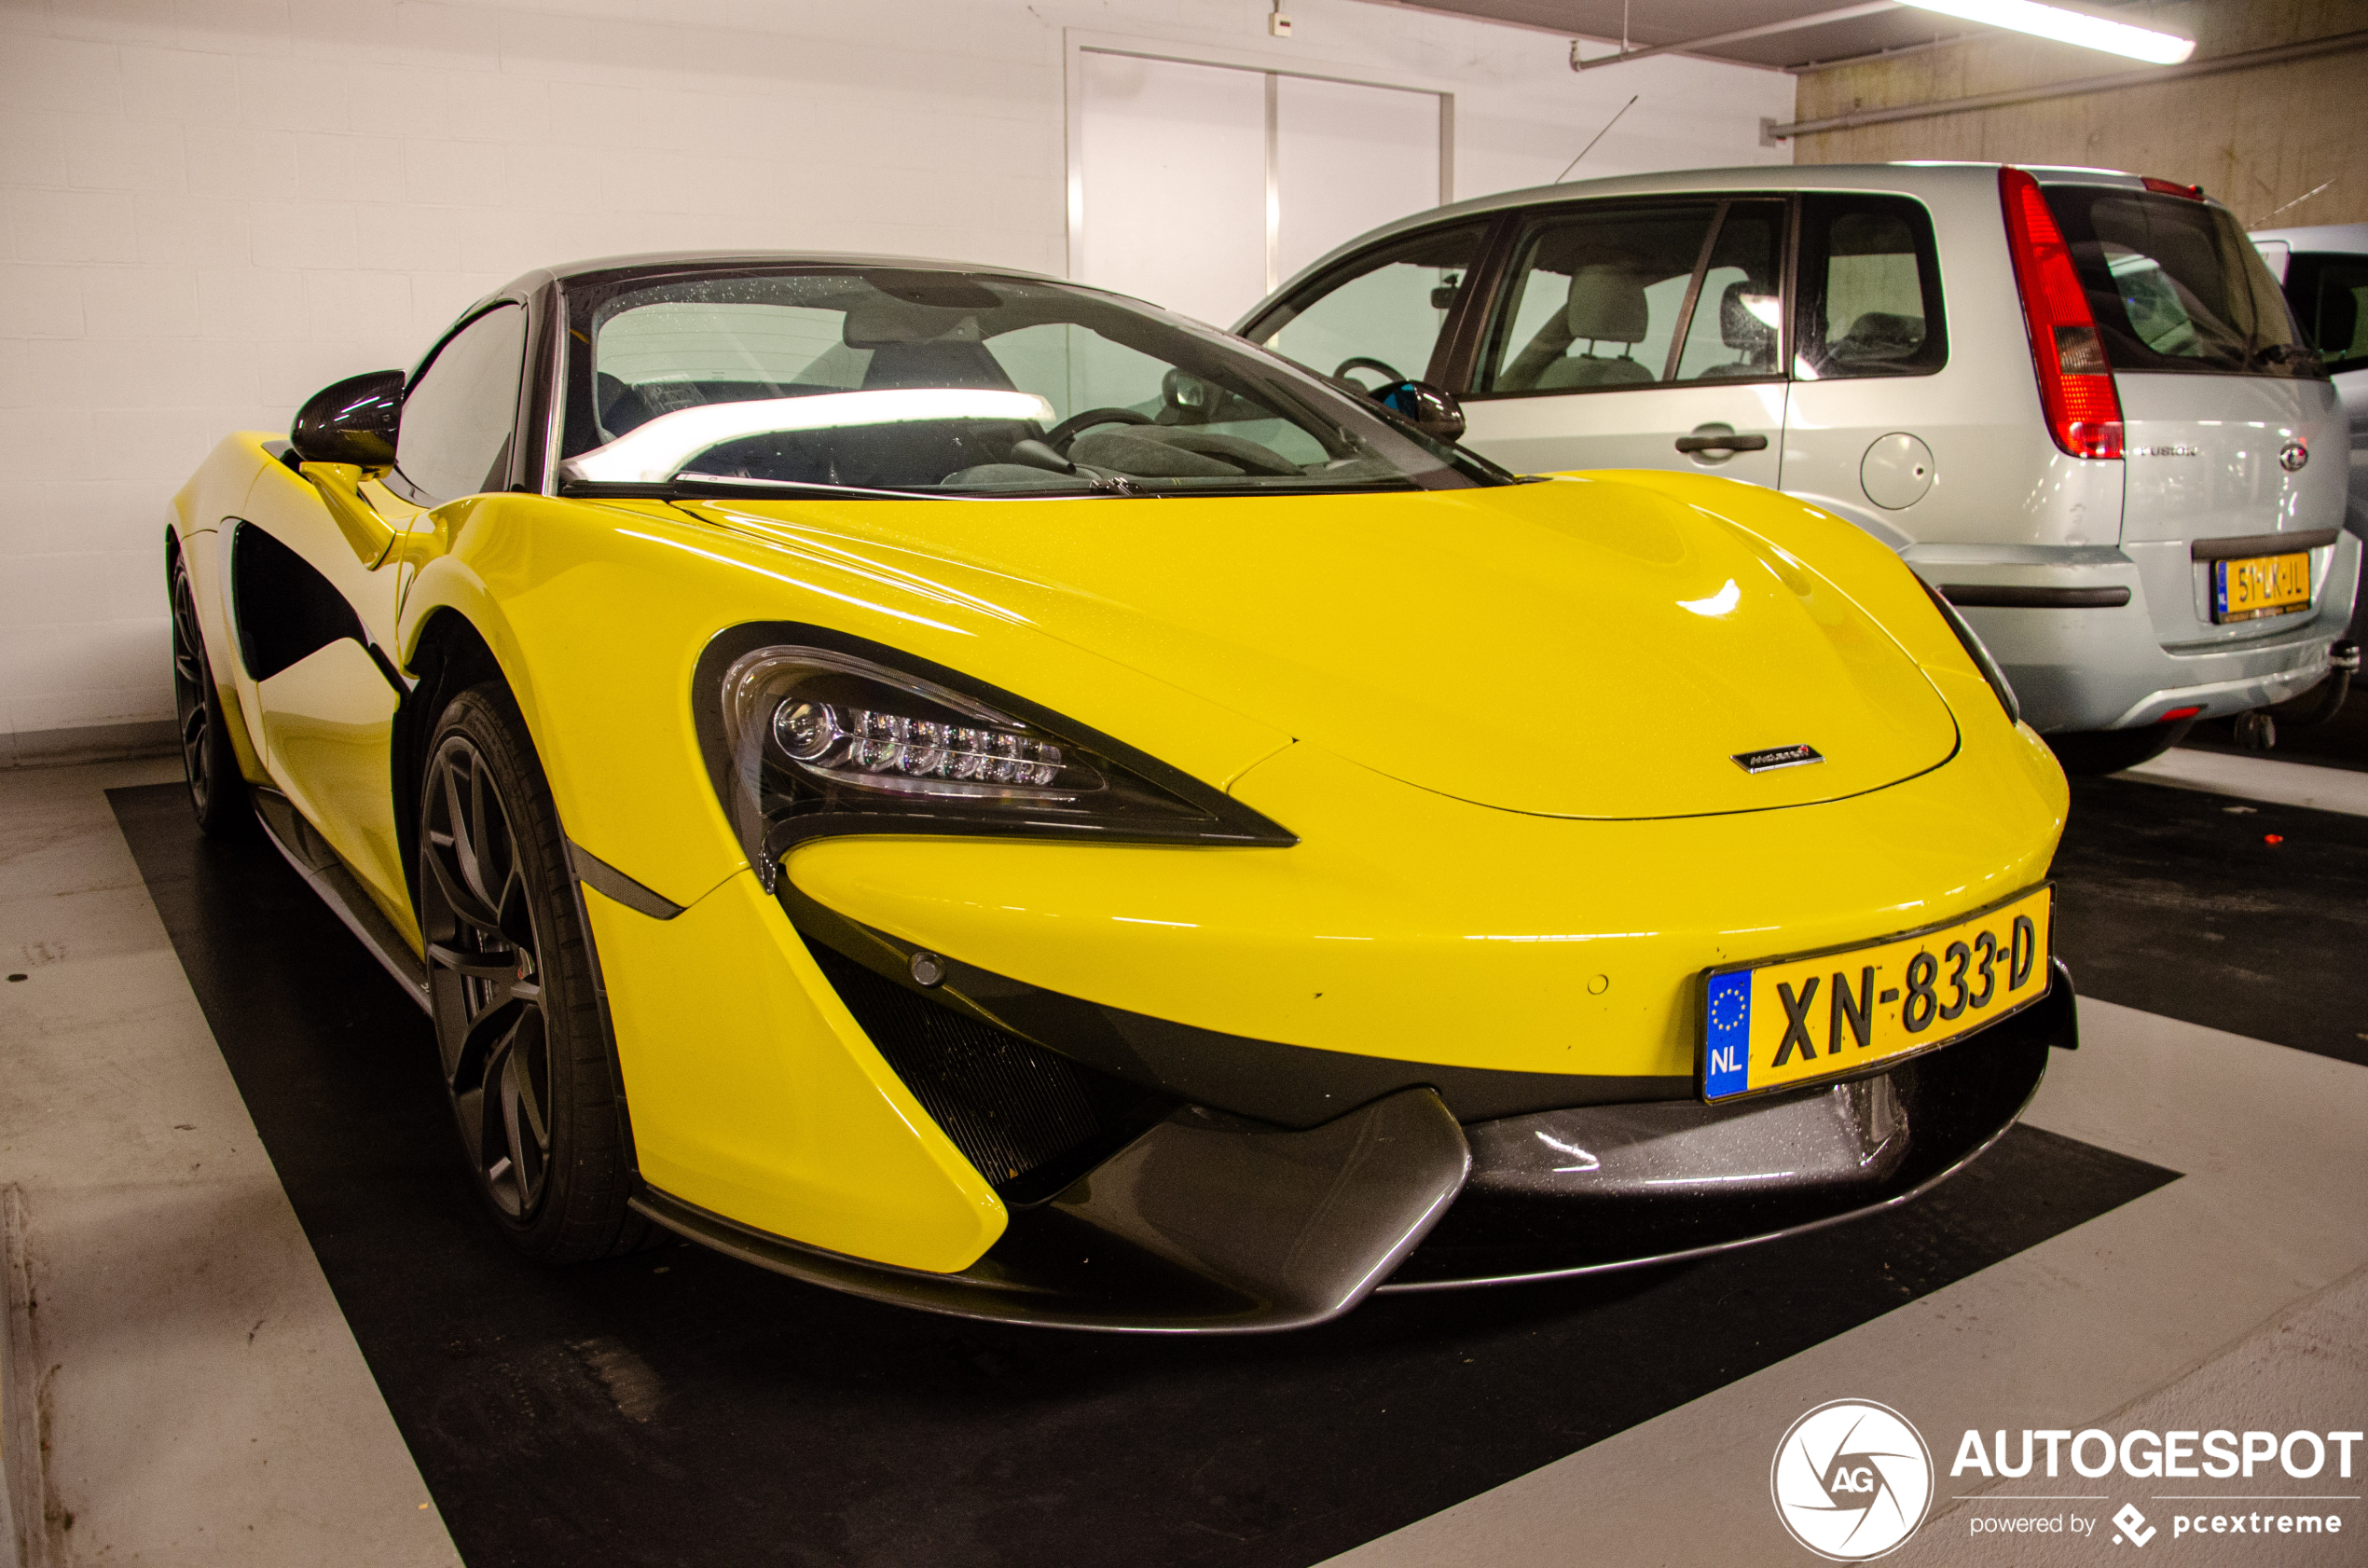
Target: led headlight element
x,y
811,737
924,756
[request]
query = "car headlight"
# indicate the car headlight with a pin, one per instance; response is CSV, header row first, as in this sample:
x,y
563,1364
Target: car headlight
x,y
811,732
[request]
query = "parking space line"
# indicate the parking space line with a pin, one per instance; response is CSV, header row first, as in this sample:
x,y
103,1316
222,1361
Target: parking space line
x,y
2062,1335
200,1396
2258,779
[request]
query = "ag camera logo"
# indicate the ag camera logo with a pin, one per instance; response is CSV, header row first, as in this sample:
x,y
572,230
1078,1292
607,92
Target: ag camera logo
x,y
1851,1481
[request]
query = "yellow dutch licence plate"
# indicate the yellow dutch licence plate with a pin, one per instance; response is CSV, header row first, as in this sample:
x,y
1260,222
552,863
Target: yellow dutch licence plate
x,y
2257,585
1794,1020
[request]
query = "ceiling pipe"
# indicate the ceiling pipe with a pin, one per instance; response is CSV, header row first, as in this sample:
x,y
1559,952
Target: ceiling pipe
x,y
1794,25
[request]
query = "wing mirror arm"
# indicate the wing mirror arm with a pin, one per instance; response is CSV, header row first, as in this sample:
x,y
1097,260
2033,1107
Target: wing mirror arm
x,y
370,535
345,434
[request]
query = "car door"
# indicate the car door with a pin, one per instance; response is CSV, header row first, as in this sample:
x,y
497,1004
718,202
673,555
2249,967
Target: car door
x,y
1869,339
315,620
1637,335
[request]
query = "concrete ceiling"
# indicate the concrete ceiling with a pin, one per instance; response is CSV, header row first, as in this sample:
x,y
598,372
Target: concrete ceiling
x,y
1671,21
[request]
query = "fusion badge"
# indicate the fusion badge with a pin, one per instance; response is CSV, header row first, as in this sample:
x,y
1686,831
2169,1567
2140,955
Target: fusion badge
x,y
1776,757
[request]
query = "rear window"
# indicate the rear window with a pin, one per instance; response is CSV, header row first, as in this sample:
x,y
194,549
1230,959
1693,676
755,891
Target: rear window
x,y
1869,297
2176,285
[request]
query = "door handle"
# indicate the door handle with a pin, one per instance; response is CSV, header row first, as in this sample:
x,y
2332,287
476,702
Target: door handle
x,y
1722,443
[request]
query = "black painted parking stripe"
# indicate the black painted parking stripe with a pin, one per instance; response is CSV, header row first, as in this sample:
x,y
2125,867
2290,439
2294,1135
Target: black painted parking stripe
x,y
2176,902
677,1408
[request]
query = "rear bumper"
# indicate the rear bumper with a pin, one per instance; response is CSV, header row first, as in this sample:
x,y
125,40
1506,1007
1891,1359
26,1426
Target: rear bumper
x,y
2081,633
1212,1224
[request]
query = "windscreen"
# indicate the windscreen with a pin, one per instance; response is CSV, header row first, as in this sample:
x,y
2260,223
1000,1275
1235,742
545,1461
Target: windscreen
x,y
2175,285
894,381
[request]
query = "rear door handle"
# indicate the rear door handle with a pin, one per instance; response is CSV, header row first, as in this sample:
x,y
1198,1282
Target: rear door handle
x,y
1722,443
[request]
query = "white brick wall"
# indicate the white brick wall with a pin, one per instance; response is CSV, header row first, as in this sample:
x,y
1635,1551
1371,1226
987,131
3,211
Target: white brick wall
x,y
211,208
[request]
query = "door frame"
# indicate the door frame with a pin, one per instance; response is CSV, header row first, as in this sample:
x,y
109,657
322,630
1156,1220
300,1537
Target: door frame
x,y
1273,62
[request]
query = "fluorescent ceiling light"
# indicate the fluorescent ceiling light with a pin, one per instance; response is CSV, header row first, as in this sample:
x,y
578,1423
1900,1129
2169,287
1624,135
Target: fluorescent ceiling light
x,y
2068,27
659,449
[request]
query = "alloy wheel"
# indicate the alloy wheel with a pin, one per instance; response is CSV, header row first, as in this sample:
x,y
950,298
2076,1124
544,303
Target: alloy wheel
x,y
485,975
192,688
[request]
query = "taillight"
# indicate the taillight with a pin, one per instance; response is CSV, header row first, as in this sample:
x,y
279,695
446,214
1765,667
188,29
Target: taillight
x,y
2075,383
2172,188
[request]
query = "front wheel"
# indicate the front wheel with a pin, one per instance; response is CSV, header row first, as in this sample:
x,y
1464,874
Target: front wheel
x,y
518,1025
2090,752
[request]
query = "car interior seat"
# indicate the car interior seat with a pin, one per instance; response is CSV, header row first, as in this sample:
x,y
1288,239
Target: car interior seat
x,y
920,346
1751,339
1607,306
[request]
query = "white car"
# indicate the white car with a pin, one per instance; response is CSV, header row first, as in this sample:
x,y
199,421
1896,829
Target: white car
x,y
2324,272
2074,400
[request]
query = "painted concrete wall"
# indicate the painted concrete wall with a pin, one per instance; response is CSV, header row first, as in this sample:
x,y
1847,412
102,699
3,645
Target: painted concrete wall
x,y
2280,143
211,208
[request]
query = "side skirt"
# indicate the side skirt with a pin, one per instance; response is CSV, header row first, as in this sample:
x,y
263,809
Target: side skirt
x,y
318,864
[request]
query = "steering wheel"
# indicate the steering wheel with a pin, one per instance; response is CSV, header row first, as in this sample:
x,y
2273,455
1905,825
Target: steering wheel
x,y
1068,429
1361,361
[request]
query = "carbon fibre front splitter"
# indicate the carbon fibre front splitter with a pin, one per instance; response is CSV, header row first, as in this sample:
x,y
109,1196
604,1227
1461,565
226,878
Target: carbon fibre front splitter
x,y
1214,1224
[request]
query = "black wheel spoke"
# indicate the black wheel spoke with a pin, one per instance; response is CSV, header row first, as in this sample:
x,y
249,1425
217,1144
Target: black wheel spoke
x,y
466,906
501,967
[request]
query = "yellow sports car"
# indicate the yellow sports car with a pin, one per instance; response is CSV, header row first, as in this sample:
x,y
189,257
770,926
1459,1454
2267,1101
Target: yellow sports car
x,y
971,790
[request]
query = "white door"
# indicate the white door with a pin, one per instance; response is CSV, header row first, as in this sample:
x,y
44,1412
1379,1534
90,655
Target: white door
x,y
1201,188
1348,158
1638,337
1174,177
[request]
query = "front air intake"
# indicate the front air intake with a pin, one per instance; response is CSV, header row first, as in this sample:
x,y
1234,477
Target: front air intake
x,y
1030,1119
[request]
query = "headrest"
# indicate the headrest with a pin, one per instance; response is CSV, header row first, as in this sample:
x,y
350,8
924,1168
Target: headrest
x,y
1608,304
1738,328
881,321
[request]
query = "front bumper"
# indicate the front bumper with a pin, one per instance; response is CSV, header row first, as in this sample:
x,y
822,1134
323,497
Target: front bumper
x,y
1207,1223
2107,638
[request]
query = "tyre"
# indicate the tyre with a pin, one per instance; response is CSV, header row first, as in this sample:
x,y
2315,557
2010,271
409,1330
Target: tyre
x,y
2090,752
208,759
518,1025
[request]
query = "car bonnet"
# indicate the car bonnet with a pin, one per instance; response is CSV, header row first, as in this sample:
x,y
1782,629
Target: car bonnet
x,y
1576,647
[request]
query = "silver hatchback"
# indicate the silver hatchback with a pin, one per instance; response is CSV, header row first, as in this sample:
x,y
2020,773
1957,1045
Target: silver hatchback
x,y
2074,400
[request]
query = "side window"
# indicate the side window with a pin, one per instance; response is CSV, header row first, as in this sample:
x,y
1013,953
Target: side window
x,y
2327,292
1389,305
1593,300
1739,311
1869,292
458,416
